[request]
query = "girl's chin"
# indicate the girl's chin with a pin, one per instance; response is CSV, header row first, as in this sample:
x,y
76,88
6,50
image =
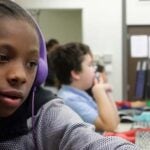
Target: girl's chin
x,y
6,114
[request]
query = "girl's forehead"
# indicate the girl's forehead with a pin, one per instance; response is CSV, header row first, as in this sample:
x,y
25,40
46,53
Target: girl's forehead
x,y
12,26
18,33
7,20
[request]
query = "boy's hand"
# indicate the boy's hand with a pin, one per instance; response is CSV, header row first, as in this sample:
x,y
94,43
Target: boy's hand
x,y
100,85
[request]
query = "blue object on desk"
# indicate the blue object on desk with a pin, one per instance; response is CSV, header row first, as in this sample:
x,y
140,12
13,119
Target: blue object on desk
x,y
144,117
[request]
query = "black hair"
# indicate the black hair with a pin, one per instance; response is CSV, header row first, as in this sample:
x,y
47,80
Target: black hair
x,y
9,9
50,43
100,68
51,79
66,58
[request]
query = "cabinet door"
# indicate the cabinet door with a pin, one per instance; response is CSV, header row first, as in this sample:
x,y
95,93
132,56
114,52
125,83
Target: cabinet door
x,y
132,62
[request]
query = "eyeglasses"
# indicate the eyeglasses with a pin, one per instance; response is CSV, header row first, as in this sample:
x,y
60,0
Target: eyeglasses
x,y
94,65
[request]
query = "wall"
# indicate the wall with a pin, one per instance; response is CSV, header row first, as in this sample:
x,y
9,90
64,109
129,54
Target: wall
x,y
102,29
138,12
54,23
52,4
103,32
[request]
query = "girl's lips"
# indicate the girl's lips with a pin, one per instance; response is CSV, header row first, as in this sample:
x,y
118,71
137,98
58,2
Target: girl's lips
x,y
9,102
11,98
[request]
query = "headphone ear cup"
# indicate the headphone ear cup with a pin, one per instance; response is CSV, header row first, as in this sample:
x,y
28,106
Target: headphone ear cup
x,y
42,72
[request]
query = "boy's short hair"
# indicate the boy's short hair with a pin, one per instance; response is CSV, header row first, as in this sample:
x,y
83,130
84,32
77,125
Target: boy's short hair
x,y
66,58
50,43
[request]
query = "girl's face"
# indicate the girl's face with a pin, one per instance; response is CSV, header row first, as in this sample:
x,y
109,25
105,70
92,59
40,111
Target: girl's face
x,y
19,53
87,74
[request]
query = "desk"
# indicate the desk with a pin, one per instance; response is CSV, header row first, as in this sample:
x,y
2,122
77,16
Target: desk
x,y
124,127
141,139
123,131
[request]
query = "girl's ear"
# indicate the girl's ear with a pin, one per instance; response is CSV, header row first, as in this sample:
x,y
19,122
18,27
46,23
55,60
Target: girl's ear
x,y
75,75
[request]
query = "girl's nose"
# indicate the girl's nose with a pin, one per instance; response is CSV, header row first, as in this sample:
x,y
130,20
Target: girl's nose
x,y
17,75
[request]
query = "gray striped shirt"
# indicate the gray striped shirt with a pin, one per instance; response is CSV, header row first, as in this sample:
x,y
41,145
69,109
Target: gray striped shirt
x,y
59,128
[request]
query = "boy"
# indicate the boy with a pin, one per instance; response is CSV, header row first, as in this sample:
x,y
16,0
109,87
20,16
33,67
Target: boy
x,y
42,124
73,64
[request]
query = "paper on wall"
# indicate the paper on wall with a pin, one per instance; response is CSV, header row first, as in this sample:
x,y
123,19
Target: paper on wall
x,y
139,46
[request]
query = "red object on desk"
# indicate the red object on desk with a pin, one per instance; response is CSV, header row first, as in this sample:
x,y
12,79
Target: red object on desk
x,y
128,135
123,104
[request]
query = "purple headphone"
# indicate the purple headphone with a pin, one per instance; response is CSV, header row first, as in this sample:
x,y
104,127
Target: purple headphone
x,y
42,70
41,74
42,65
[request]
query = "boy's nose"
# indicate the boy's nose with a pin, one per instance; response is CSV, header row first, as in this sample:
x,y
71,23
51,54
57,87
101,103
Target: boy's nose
x,y
16,75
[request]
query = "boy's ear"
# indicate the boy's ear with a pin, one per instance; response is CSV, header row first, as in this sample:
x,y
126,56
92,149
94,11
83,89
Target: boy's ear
x,y
75,75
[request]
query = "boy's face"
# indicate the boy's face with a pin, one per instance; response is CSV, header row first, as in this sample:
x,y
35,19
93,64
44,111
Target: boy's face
x,y
19,55
87,74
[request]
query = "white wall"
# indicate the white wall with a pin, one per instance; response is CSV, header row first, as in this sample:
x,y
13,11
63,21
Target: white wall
x,y
102,29
53,4
138,12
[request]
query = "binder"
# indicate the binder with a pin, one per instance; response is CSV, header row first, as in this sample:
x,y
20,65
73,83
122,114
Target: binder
x,y
140,80
147,83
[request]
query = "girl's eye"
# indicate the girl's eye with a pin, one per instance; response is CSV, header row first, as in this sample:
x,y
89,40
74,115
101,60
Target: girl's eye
x,y
32,64
3,58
